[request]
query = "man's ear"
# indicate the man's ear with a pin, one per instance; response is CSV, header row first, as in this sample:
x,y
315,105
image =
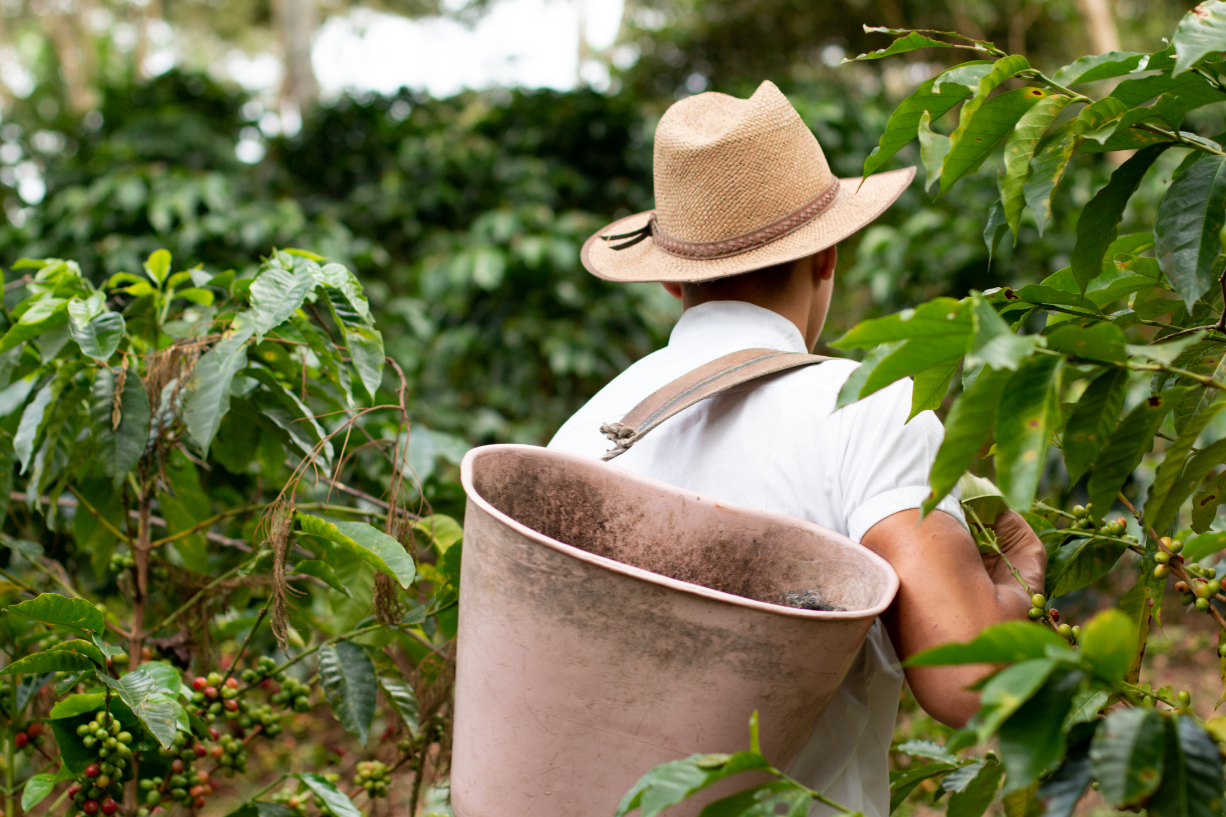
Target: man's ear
x,y
673,288
824,263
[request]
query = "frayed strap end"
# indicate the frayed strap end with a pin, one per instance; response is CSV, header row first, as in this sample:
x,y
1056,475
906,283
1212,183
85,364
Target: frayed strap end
x,y
622,436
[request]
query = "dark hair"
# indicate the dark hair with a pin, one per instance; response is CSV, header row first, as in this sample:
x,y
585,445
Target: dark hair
x,y
770,281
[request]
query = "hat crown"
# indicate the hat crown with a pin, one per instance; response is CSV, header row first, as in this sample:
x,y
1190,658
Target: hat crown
x,y
725,167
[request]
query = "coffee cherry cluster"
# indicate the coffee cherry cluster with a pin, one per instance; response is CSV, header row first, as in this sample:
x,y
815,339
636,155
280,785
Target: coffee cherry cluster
x,y
263,668
94,788
28,739
289,799
293,693
186,785
1039,610
374,777
120,561
1083,519
231,755
214,697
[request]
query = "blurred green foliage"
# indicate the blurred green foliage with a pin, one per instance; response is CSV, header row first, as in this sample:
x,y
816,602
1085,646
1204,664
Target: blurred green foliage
x,y
466,215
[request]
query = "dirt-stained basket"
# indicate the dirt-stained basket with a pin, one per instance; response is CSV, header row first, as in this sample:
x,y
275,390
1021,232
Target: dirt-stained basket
x,y
610,622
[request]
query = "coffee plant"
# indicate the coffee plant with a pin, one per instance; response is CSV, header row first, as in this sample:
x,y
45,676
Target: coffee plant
x,y
1092,397
205,495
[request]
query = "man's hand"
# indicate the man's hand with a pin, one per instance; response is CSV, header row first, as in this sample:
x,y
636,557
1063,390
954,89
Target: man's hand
x,y
1018,542
948,593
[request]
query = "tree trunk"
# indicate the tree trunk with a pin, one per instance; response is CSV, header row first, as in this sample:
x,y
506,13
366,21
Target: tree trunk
x,y
1103,34
296,21
72,44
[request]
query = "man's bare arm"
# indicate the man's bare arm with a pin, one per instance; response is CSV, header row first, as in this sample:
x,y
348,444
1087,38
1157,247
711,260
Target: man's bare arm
x,y
948,592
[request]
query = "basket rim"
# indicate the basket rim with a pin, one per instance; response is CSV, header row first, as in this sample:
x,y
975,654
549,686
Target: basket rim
x,y
466,479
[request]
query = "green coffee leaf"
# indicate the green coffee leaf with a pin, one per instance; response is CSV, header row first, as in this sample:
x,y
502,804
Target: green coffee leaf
x,y
967,425
1196,549
929,387
1101,341
1107,643
1061,792
397,691
335,802
1007,690
49,661
973,799
1023,433
912,41
776,798
276,294
369,544
1189,224
1127,754
926,99
1092,421
909,780
1006,643
157,267
74,615
323,572
993,342
75,705
670,783
1032,739
938,318
208,397
1123,451
934,147
100,336
1080,562
912,357
119,449
1205,503
1192,783
151,704
348,678
925,748
1098,221
983,127
1201,31
1099,66
442,530
1019,150
1047,168
1159,512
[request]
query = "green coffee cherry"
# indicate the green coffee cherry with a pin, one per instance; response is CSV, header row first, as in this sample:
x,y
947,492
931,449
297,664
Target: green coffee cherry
x,y
1065,630
1161,571
1187,598
1038,600
1184,698
1162,557
1202,605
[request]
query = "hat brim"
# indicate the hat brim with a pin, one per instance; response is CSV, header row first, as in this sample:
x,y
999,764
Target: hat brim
x,y
859,203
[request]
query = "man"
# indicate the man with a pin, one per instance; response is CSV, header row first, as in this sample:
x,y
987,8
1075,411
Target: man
x,y
747,219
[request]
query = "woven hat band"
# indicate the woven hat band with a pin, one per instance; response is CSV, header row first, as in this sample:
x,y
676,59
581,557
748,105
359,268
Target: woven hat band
x,y
708,250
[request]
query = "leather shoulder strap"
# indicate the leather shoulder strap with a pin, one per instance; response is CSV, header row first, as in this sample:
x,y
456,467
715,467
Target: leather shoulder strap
x,y
706,381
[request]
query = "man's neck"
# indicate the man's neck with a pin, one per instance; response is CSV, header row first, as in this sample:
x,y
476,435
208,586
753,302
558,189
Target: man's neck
x,y
795,309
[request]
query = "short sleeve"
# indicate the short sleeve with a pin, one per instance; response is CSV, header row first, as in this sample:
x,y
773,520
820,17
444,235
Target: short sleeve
x,y
886,460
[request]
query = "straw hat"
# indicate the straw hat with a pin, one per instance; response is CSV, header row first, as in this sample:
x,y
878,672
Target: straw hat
x,y
740,184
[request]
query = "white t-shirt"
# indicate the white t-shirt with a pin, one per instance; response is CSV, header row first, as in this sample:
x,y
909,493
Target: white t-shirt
x,y
779,445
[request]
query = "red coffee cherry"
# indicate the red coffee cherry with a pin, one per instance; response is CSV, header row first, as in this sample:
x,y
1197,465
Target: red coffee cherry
x,y
34,730
199,683
92,770
21,740
1055,614
109,807
90,807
